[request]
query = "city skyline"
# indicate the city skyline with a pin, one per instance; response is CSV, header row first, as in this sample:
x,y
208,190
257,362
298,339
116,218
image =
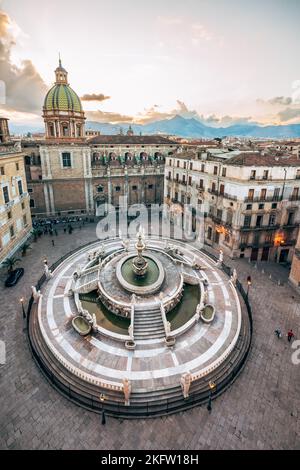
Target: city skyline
x,y
220,62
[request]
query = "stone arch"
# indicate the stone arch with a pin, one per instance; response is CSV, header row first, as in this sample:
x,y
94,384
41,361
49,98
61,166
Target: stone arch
x,y
65,129
143,155
51,129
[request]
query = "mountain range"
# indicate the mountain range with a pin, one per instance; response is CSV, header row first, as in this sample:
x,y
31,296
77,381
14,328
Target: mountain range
x,y
186,127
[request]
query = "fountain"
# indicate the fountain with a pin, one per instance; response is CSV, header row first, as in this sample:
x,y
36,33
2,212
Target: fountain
x,y
139,264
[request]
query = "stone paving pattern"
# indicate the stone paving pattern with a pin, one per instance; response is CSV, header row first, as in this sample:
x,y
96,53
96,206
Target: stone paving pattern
x,y
261,409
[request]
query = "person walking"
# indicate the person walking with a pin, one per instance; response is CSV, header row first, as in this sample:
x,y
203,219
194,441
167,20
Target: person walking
x,y
52,242
290,335
278,333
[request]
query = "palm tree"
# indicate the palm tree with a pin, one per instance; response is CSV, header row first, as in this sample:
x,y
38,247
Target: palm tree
x,y
26,246
10,262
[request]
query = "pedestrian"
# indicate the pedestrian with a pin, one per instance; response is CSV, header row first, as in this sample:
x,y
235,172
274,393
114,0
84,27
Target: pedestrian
x,y
65,229
52,242
55,231
290,335
278,333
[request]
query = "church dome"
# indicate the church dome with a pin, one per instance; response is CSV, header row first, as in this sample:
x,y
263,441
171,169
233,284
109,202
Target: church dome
x,y
61,97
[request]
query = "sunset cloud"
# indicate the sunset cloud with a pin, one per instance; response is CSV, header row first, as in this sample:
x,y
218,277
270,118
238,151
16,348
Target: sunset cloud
x,y
25,88
94,97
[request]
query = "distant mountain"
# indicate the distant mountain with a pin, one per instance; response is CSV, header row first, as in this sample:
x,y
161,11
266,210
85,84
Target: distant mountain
x,y
183,127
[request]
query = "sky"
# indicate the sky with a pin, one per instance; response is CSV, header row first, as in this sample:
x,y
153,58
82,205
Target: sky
x,y
219,61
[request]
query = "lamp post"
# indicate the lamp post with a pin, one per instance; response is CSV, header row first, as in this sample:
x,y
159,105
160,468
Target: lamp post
x,y
249,282
23,309
102,399
212,388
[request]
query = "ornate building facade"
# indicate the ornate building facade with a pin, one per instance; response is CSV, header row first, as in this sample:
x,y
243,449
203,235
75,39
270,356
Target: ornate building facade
x,y
69,173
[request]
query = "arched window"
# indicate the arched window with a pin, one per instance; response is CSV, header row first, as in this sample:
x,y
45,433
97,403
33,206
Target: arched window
x,y
51,129
78,130
65,129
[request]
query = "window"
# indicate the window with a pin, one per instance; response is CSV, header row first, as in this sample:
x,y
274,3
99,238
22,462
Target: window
x,y
274,205
290,220
30,190
2,170
250,194
213,187
190,180
65,129
215,170
183,178
261,206
259,219
66,159
118,189
17,166
169,175
20,187
269,237
266,174
24,220
295,194
191,165
203,167
297,175
176,197
229,216
248,207
11,231
100,189
170,162
177,163
247,221
253,174
223,171
134,188
150,186
188,199
222,189
219,214
9,215
276,194
5,194
31,203
184,165
182,199
177,177
263,193
209,233
201,184
23,205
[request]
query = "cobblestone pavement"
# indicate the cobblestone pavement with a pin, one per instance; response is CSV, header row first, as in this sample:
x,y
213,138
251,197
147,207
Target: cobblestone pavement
x,y
261,410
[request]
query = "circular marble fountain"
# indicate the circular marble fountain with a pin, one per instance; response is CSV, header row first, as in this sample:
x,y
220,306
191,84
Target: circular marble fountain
x,y
149,352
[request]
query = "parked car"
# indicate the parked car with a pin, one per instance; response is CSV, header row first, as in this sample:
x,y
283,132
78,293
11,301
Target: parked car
x,y
13,277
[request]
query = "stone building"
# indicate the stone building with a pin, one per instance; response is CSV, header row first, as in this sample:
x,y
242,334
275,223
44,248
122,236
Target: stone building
x,y
15,217
70,174
295,268
251,200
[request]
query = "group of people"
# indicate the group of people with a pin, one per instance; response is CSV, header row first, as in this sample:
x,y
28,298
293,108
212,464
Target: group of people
x,y
290,335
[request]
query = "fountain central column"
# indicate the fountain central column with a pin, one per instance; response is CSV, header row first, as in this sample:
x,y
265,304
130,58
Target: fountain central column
x,y
139,264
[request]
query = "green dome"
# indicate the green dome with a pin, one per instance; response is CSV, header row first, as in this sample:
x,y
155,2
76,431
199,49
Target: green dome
x,y
61,97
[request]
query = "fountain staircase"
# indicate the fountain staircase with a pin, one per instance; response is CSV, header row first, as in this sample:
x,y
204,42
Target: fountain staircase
x,y
148,324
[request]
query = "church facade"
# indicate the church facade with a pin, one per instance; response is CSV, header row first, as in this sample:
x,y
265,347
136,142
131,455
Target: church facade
x,y
70,173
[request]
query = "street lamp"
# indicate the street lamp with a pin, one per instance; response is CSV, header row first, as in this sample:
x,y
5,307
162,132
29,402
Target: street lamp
x,y
102,399
249,282
212,388
23,309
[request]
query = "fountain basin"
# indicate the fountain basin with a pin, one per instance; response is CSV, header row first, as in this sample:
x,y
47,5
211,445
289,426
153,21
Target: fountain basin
x,y
81,325
140,285
208,313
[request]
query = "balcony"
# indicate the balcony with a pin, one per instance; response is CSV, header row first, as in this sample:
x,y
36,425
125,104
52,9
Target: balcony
x,y
261,227
262,199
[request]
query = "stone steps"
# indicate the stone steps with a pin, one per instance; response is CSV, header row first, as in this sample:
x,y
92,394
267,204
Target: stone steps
x,y
148,324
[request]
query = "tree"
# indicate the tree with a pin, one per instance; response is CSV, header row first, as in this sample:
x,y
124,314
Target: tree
x,y
9,263
35,234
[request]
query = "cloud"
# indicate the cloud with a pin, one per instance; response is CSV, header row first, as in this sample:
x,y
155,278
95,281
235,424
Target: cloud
x,y
25,88
106,116
296,92
277,100
289,114
94,97
170,20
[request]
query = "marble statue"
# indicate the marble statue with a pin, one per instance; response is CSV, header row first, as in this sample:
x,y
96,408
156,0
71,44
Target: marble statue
x,y
221,258
133,299
185,382
168,328
233,277
47,271
130,331
127,390
36,294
